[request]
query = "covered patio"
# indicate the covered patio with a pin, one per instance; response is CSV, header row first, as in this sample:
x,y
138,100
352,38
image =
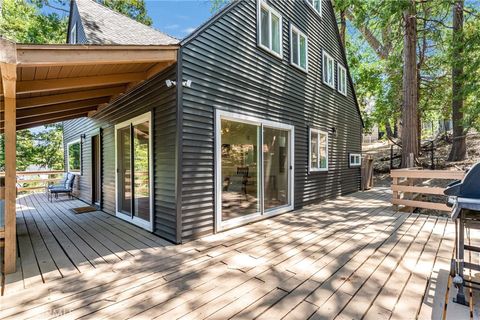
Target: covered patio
x,y
350,258
43,84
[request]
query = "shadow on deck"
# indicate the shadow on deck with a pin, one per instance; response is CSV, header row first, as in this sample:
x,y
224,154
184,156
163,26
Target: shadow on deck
x,y
351,257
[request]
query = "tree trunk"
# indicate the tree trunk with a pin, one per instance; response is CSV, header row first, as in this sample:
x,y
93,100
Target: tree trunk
x,y
410,89
459,145
343,27
388,129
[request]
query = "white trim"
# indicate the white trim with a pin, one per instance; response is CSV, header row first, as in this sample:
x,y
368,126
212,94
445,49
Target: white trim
x,y
357,156
293,28
315,9
318,132
260,4
74,33
79,141
148,225
262,214
342,69
326,55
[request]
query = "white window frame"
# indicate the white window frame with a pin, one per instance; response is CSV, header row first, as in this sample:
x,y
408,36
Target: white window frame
x,y
300,34
310,3
325,55
357,156
147,225
342,70
264,5
262,214
318,132
79,141
73,34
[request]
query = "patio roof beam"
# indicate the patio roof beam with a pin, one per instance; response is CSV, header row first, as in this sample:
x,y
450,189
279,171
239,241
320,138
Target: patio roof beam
x,y
50,121
25,103
34,55
63,107
40,120
78,83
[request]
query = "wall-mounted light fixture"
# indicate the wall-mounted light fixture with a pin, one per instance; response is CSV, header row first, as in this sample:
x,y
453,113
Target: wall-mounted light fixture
x,y
171,83
334,131
83,136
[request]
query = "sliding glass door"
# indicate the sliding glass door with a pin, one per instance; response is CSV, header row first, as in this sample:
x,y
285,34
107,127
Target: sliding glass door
x,y
134,176
254,169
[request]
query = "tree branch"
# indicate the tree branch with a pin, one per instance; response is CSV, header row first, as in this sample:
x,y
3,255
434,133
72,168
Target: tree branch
x,y
369,36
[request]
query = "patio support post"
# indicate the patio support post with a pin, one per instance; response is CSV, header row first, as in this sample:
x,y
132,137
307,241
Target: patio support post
x,y
9,78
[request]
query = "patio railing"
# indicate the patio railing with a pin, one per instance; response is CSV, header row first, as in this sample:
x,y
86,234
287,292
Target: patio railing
x,y
410,187
29,181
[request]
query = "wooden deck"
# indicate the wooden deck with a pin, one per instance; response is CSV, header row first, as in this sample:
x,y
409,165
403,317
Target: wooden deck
x,y
348,258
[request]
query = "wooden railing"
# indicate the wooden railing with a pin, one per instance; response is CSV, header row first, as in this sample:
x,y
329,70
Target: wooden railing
x,y
28,181
409,186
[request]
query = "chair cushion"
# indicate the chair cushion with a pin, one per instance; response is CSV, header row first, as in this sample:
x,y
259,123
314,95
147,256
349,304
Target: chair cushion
x,y
60,190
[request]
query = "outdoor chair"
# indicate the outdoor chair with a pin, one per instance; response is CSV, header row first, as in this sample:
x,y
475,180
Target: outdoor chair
x,y
60,184
66,187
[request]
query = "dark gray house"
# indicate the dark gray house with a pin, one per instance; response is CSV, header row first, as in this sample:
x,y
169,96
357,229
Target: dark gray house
x,y
257,117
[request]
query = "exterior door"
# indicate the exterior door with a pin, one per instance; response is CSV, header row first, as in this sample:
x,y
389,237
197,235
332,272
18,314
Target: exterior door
x,y
134,171
254,173
96,170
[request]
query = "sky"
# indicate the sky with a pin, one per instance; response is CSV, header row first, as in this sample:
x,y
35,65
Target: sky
x,y
178,18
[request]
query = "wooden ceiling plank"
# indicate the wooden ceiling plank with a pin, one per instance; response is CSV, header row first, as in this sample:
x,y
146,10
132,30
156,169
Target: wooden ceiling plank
x,y
81,82
42,118
68,97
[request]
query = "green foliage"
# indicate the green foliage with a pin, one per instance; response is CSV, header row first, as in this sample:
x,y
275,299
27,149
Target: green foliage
x,y
42,147
134,9
21,21
216,5
377,67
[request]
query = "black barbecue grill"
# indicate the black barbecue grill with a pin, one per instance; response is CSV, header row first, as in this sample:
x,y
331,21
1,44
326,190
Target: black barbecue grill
x,y
464,198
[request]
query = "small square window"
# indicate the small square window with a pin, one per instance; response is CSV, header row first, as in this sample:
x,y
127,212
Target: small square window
x,y
269,29
355,159
298,48
316,5
328,70
342,80
318,158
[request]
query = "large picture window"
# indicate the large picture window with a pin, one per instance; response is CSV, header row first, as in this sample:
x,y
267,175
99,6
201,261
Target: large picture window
x,y
328,70
269,29
342,80
318,150
298,48
74,156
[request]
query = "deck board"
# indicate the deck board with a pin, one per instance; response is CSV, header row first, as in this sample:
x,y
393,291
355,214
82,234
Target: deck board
x,y
345,258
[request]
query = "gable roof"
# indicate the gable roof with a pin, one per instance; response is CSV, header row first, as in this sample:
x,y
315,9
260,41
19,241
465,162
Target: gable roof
x,y
105,26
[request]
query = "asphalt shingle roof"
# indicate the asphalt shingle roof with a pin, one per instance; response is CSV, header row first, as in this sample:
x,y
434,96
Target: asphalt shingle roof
x,y
105,26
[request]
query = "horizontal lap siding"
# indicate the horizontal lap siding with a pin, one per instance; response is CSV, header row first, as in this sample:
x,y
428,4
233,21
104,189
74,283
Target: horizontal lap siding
x,y
229,72
154,96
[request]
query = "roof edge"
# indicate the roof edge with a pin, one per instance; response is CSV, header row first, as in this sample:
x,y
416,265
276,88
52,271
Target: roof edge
x,y
209,22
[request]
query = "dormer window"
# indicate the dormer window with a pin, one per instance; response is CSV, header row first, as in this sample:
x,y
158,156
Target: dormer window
x,y
73,34
316,5
269,29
